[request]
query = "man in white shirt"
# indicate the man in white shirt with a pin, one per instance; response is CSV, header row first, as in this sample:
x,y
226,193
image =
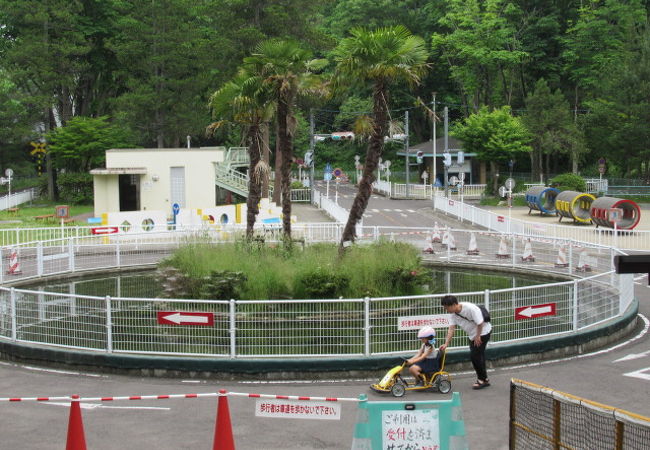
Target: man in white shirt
x,y
470,318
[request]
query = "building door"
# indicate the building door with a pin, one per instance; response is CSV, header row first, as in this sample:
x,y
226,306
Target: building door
x,y
129,186
177,184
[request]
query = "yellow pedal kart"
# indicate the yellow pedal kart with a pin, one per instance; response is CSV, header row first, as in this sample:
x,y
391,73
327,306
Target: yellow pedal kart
x,y
394,383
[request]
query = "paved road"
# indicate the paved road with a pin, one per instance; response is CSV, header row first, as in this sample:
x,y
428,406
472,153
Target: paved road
x,y
189,424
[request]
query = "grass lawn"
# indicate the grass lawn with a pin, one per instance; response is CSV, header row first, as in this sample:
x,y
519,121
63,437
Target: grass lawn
x,y
26,215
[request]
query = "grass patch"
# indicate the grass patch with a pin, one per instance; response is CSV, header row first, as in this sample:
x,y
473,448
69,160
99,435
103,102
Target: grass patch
x,y
27,214
380,269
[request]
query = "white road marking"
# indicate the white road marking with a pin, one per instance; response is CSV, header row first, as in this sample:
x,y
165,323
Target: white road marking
x,y
83,405
397,210
411,210
639,374
403,215
62,372
632,356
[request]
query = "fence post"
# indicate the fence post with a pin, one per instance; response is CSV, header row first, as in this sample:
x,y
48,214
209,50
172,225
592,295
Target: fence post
x,y
109,325
118,258
71,260
366,313
232,330
514,249
39,259
486,299
575,305
2,272
14,327
570,245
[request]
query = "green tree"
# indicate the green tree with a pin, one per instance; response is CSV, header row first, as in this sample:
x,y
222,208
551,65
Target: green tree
x,y
482,50
81,144
495,136
617,123
166,49
286,69
244,101
596,44
379,58
554,132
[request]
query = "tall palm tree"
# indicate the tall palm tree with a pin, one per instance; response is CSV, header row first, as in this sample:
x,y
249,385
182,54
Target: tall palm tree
x,y
287,69
380,58
244,101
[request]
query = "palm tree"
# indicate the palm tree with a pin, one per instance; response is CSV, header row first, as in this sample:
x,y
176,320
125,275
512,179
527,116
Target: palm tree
x,y
244,101
380,57
286,69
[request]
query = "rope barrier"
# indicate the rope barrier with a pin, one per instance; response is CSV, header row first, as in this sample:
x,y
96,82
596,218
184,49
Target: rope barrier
x,y
174,396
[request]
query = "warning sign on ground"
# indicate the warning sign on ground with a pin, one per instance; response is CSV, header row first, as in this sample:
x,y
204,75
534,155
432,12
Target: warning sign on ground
x,y
294,409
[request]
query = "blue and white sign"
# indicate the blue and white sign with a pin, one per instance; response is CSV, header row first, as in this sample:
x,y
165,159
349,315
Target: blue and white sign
x,y
176,208
327,176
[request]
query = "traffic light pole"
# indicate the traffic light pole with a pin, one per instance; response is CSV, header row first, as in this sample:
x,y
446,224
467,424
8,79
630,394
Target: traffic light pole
x,y
406,150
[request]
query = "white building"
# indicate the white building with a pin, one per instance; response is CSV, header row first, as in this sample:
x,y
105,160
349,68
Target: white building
x,y
144,179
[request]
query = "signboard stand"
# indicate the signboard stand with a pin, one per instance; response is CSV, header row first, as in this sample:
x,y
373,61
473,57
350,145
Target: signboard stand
x,y
433,424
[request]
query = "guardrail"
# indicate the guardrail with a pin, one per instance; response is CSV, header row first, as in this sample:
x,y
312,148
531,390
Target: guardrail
x,y
320,327
427,191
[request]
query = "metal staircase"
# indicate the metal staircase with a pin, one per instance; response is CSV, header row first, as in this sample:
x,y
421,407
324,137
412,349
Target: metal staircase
x,y
226,174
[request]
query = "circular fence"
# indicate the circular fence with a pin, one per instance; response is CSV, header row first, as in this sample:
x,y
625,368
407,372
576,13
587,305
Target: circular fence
x,y
321,328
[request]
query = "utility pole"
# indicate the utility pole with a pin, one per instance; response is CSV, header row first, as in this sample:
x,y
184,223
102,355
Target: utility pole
x,y
434,179
311,150
406,150
446,181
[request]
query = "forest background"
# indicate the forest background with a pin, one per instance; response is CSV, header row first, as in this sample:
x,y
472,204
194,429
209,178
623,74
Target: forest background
x,y
122,73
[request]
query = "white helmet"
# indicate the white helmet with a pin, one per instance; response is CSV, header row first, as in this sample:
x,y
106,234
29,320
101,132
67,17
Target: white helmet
x,y
427,332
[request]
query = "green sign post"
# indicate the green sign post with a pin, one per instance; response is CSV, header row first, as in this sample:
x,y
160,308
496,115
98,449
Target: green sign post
x,y
421,425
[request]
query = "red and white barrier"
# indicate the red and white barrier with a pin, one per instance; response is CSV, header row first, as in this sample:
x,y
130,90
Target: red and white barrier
x,y
223,435
503,253
528,252
14,264
583,265
561,260
435,235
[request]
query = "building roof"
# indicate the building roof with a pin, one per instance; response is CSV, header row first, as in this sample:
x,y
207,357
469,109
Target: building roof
x,y
427,147
120,171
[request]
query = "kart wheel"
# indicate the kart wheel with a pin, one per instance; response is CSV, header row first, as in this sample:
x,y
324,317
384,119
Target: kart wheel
x,y
444,386
398,389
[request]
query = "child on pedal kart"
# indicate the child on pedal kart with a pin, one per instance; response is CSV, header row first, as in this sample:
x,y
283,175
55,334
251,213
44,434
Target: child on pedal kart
x,y
426,360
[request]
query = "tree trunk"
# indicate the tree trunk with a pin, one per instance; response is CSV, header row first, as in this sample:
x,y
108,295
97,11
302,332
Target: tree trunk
x,y
254,184
266,157
373,153
285,139
277,181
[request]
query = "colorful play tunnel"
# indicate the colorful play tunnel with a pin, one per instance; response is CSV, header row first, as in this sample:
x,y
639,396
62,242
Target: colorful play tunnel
x,y
627,213
542,199
574,205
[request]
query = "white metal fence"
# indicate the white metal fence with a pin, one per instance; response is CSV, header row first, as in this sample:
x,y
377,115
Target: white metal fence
x,y
503,223
284,328
17,198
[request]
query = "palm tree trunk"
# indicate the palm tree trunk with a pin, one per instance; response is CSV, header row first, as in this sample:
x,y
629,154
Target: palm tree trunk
x,y
285,139
254,183
375,148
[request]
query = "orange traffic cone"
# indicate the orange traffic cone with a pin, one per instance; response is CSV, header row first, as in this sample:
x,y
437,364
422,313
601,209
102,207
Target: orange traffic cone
x,y
223,438
76,439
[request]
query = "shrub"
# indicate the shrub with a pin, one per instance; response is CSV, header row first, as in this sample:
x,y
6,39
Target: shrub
x,y
569,182
320,283
75,188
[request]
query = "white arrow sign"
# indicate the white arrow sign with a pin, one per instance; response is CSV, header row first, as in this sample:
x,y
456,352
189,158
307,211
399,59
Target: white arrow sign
x,y
185,318
531,311
632,356
180,318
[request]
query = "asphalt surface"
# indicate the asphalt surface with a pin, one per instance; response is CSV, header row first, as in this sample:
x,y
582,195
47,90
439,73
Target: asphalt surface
x,y
189,423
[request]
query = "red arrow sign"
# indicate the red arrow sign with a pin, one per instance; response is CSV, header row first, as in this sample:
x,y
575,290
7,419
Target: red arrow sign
x,y
104,230
185,318
501,219
531,312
